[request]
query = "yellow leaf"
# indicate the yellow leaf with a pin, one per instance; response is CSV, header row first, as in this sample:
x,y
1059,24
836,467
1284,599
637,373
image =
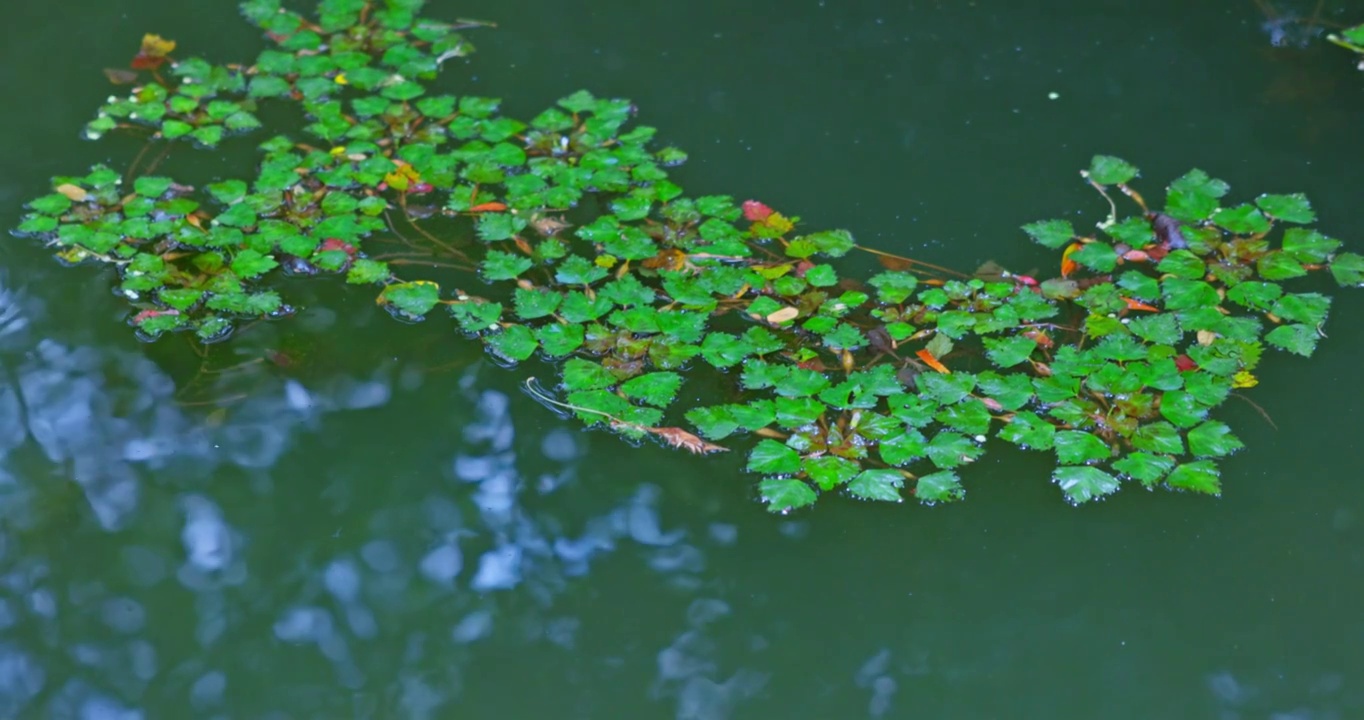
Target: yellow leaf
x,y
74,193
339,150
155,46
779,222
1244,379
786,314
340,79
605,261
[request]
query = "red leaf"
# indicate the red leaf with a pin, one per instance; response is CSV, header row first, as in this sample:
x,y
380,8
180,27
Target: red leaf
x,y
1185,363
337,244
488,207
755,211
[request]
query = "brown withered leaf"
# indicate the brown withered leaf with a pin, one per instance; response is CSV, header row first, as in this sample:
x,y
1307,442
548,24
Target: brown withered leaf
x,y
119,76
74,193
679,438
548,225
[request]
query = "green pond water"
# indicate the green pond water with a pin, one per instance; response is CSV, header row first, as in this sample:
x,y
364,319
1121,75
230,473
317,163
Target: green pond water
x,y
385,526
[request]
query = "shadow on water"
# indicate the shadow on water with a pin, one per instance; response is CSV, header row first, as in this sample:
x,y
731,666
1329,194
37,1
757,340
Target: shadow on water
x,y
340,516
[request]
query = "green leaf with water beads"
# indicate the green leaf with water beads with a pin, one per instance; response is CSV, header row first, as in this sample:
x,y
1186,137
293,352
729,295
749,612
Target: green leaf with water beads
x,y
1050,233
1306,308
1158,437
724,350
970,417
1011,391
1213,439
1082,483
535,303
250,263
656,388
1200,476
845,337
1348,269
476,317
799,382
1182,409
1308,246
1298,339
496,226
903,447
1183,294
1293,208
828,472
942,486
413,299
54,204
365,271
626,291
950,450
580,374
882,485
797,412
832,243
1255,295
1097,256
151,186
513,342
821,276
1279,265
772,457
1009,351
715,422
1160,329
1109,170
783,495
1183,264
1194,196
947,389
1074,447
498,265
1144,467
1244,219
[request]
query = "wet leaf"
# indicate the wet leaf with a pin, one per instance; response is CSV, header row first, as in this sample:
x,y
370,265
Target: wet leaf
x,y
1074,447
1306,308
1348,269
683,440
1308,246
770,456
882,485
656,388
828,472
1158,437
1290,208
950,450
942,486
1255,295
1200,476
365,271
1144,467
1244,219
498,265
250,264
413,299
1213,439
1082,484
1278,265
1194,196
1009,351
1297,339
903,447
784,495
514,342
1109,170
1050,233
1182,409
536,303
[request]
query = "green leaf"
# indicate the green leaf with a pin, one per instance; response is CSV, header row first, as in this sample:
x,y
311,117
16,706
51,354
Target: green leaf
x,y
1083,483
821,276
903,448
1213,439
1308,246
1200,476
578,308
498,265
1011,391
1193,197
496,226
883,485
1050,233
250,263
151,186
798,412
833,243
514,342
1109,170
1184,264
949,450
1182,409
724,350
1074,447
656,388
1306,308
970,416
894,287
1348,269
942,486
1183,294
1144,467
413,299
365,271
558,339
947,389
580,374
578,270
1255,295
1244,219
828,471
716,422
1158,437
785,495
1160,329
1009,351
1298,339
1290,208
1279,265
1097,256
772,457
536,302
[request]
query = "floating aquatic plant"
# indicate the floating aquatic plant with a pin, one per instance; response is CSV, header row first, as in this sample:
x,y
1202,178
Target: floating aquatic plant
x,y
584,253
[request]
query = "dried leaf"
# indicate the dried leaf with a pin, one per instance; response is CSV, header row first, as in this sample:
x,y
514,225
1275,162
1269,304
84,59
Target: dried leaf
x,y
1139,305
74,193
119,76
679,438
1206,337
777,317
932,362
153,52
1069,266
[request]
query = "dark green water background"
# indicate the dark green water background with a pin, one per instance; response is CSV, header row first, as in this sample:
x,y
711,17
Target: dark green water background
x,y
390,529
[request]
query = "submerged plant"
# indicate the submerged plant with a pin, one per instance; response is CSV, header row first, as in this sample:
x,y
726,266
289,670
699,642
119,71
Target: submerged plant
x,y
590,257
